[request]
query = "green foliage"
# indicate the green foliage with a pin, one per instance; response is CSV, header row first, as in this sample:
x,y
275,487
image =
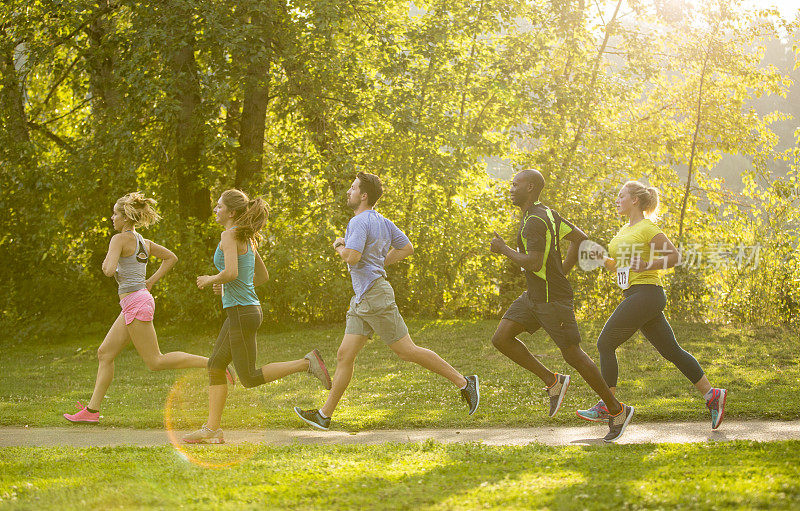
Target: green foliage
x,y
100,98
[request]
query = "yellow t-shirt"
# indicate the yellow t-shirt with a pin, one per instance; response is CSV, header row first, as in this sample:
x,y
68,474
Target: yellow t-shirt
x,y
635,240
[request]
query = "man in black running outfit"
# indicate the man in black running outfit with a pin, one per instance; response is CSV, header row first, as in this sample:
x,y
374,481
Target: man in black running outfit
x,y
547,303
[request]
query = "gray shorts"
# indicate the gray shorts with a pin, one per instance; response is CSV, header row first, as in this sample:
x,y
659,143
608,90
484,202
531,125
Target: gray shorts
x,y
557,319
376,313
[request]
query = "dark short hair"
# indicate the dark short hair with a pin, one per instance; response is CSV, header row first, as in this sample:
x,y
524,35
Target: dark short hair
x,y
371,185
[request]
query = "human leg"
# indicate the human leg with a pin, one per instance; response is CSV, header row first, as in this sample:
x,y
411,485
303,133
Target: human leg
x,y
144,338
116,339
506,341
430,360
351,345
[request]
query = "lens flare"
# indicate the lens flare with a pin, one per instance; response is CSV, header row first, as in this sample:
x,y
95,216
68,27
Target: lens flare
x,y
187,403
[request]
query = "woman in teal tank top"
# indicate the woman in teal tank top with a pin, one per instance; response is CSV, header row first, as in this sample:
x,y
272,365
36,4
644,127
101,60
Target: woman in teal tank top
x,y
241,269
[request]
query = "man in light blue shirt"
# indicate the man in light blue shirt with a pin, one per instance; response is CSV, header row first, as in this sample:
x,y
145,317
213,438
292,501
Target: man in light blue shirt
x,y
371,243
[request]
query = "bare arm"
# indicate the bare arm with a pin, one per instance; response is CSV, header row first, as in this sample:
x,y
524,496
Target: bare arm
x,y
348,255
575,238
261,274
396,254
168,260
231,271
112,256
661,244
531,262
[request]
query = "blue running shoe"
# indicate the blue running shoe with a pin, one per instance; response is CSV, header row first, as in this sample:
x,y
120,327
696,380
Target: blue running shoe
x,y
716,405
597,413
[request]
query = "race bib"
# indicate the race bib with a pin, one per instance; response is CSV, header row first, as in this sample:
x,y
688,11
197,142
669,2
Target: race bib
x,y
624,277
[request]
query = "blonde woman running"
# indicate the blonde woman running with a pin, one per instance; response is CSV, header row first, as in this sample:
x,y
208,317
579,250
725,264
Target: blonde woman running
x,y
126,261
639,250
241,269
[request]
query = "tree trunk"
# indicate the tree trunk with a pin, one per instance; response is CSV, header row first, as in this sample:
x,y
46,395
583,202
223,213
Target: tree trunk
x,y
100,64
11,98
250,155
567,161
698,118
194,197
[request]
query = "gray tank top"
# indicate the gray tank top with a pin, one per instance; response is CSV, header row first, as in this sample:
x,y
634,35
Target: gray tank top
x,y
132,270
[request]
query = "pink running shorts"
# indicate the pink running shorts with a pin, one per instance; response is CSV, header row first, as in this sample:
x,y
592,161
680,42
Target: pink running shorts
x,y
138,305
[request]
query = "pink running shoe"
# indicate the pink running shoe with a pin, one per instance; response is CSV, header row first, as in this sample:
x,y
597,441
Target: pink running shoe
x,y
83,415
230,375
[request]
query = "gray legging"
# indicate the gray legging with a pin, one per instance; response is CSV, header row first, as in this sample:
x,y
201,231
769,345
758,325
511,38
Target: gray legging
x,y
237,342
643,309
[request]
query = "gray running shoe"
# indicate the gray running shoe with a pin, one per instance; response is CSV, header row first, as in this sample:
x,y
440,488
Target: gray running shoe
x,y
617,423
556,392
316,367
471,393
204,435
313,418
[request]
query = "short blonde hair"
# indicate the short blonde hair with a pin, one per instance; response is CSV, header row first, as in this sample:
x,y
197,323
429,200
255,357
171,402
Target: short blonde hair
x,y
138,209
647,195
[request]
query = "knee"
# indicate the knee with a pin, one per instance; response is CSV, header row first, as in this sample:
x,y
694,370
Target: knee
x,y
250,381
572,355
344,357
407,354
154,364
605,344
103,356
499,341
216,376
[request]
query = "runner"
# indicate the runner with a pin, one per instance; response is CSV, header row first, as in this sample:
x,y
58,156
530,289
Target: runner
x,y
547,303
126,261
643,307
371,243
240,270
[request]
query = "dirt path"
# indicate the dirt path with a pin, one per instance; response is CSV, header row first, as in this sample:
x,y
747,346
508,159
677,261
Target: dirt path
x,y
85,435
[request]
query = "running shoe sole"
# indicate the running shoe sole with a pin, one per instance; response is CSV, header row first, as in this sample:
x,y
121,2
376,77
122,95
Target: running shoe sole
x,y
591,420
561,394
721,408
79,421
478,394
327,382
206,441
310,423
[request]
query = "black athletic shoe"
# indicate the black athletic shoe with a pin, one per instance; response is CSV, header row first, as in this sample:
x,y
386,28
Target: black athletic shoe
x,y
313,418
617,423
471,393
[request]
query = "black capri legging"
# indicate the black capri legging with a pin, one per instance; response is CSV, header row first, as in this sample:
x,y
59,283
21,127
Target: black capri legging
x,y
643,309
237,342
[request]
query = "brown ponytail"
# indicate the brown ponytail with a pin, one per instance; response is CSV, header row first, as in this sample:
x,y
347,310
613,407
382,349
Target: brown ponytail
x,y
249,215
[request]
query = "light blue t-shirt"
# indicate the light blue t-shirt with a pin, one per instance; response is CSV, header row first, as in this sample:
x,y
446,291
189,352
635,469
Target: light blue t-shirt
x,y
373,236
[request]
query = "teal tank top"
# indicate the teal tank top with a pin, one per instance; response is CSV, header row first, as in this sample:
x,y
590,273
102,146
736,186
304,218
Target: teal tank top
x,y
241,290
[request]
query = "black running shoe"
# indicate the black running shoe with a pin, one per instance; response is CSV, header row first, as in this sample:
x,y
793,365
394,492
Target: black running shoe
x,y
617,423
313,418
471,393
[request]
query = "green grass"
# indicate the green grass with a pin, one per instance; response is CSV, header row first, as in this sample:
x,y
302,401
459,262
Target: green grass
x,y
760,367
743,475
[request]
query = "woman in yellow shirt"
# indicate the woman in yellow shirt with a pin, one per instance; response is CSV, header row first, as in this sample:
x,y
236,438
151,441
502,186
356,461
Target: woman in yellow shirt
x,y
640,249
